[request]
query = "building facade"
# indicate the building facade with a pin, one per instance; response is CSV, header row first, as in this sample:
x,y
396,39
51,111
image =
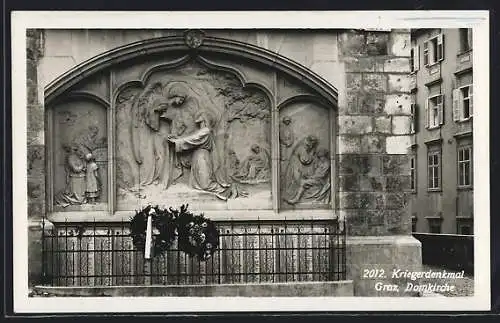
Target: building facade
x,y
441,164
272,102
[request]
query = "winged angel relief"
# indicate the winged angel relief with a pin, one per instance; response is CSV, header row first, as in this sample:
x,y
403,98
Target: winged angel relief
x,y
178,133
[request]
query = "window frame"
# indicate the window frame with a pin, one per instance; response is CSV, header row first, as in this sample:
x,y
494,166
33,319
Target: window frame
x,y
465,222
434,50
435,222
414,118
413,173
464,161
436,170
414,220
414,59
465,37
438,107
459,100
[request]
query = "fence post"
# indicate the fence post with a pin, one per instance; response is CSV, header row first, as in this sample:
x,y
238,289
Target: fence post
x,y
44,256
147,272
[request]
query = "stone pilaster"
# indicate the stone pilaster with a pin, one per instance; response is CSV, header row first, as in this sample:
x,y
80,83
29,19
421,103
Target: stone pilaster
x,y
373,129
35,154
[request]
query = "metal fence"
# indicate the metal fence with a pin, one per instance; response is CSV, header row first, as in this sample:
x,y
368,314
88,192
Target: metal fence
x,y
452,251
99,254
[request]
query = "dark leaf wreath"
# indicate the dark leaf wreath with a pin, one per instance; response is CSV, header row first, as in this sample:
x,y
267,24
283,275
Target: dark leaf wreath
x,y
164,229
198,236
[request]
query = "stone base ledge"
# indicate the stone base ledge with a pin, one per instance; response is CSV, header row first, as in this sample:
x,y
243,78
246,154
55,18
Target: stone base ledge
x,y
295,289
371,261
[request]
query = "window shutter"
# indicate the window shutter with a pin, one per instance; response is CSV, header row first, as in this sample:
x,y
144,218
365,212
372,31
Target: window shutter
x,y
471,109
456,104
416,57
427,113
415,117
441,109
440,45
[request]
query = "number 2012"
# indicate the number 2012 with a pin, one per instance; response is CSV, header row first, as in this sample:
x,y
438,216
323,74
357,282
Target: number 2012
x,y
373,273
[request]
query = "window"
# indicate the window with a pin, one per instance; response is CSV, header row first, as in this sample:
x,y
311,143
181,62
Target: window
x,y
465,229
414,223
414,118
434,113
465,39
413,174
464,166
426,53
465,226
434,50
434,226
462,103
414,59
434,170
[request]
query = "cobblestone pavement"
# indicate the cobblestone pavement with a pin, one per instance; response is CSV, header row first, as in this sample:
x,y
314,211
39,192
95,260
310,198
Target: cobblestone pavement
x,y
463,286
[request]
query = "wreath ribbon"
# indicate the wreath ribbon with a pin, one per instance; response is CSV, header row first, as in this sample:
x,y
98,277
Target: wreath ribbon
x,y
197,236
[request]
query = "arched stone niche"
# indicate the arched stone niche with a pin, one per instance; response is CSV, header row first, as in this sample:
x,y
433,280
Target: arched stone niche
x,y
181,122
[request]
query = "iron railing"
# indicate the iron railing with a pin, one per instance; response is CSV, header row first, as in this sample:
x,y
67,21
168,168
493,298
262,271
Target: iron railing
x,y
97,254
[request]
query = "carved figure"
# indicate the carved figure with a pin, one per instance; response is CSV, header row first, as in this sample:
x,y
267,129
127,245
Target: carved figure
x,y
74,192
316,185
306,176
92,181
76,165
286,132
255,168
147,136
233,163
200,143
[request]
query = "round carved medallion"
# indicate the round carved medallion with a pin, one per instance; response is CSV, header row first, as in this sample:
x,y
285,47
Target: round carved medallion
x,y
194,38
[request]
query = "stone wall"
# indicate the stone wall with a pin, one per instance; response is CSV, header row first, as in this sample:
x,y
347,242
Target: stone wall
x,y
373,133
36,151
373,141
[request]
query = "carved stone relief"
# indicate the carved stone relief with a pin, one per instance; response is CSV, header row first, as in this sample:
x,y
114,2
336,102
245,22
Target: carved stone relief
x,y
80,156
304,156
193,134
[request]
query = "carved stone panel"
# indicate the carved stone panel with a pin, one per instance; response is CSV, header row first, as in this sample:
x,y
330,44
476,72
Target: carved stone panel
x,y
193,135
80,156
305,164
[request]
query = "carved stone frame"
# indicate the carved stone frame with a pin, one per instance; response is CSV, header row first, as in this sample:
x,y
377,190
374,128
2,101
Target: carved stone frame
x,y
313,88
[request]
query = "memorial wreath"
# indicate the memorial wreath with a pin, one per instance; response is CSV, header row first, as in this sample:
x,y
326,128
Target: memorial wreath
x,y
196,235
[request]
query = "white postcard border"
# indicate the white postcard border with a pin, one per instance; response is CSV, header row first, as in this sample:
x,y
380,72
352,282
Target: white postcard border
x,y
478,20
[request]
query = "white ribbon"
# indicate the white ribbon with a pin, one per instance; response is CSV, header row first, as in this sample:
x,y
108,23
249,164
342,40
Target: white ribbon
x,y
149,235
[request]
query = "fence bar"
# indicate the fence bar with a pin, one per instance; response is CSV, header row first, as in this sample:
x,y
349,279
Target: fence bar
x,y
248,252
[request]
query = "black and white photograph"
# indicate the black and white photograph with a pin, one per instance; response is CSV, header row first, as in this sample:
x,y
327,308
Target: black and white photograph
x,y
225,164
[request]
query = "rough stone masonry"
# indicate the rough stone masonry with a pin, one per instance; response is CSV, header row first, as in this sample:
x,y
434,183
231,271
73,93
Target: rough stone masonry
x,y
373,133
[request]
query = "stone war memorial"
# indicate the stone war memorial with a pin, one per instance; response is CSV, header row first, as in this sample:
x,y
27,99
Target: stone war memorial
x,y
293,145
